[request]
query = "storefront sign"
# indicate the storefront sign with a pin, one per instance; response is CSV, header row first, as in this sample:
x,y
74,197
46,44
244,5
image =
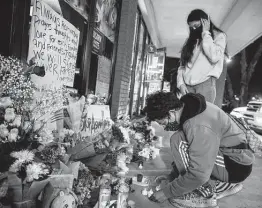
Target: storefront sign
x,y
155,70
95,119
97,41
53,43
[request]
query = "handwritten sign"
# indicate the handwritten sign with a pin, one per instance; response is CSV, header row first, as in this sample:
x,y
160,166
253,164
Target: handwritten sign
x,y
53,42
95,119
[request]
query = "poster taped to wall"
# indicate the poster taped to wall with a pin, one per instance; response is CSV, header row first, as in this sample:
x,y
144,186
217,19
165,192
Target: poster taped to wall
x,y
156,63
53,42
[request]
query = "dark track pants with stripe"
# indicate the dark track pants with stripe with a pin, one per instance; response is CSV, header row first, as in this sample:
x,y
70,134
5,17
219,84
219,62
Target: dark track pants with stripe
x,y
225,169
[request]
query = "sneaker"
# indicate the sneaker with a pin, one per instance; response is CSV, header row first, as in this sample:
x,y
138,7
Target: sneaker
x,y
194,200
224,189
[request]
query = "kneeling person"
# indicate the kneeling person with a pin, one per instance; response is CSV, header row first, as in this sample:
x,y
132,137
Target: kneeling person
x,y
211,153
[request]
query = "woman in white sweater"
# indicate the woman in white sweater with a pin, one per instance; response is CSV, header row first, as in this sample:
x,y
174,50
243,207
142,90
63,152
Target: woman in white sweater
x,y
202,57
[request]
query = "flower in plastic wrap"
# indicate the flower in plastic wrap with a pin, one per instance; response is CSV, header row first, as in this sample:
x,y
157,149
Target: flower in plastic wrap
x,y
18,120
71,132
129,154
27,125
63,133
13,135
38,125
62,150
152,131
5,102
36,171
3,131
9,114
154,152
139,137
125,134
145,152
121,163
91,99
45,136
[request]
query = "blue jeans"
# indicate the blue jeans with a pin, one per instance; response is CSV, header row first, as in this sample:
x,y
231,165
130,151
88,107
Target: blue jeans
x,y
207,89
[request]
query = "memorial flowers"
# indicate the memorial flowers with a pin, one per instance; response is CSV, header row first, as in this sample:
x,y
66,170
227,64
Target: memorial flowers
x,y
84,184
145,141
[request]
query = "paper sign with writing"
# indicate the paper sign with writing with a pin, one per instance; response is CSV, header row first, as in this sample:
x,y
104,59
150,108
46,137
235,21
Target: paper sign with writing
x,y
53,42
97,41
95,119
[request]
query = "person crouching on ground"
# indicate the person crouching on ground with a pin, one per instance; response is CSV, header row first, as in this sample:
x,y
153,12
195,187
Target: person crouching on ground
x,y
211,154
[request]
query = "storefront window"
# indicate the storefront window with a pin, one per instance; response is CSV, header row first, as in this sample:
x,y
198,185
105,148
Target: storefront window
x,y
138,70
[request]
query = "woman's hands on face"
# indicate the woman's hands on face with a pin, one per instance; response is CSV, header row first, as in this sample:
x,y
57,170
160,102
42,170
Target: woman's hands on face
x,y
205,24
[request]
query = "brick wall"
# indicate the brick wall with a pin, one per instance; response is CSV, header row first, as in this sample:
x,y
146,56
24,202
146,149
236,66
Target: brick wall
x,y
122,76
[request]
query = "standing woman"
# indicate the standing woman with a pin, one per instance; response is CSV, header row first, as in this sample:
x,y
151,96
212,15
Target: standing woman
x,y
202,57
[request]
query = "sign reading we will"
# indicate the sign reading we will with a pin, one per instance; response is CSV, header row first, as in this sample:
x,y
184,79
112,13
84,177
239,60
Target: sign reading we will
x,y
53,42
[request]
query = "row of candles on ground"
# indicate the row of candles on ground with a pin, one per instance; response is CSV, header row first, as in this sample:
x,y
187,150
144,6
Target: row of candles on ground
x,y
124,189
105,194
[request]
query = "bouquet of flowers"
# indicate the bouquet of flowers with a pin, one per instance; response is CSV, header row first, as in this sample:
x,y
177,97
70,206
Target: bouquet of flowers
x,y
85,184
119,150
27,178
25,113
145,140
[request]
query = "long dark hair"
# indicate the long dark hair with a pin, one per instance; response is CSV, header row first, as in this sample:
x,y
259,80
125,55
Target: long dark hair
x,y
188,47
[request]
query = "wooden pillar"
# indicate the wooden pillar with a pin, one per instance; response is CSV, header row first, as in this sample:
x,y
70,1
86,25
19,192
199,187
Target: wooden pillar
x,y
88,47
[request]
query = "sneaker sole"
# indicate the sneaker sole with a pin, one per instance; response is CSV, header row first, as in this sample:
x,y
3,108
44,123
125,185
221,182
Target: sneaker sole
x,y
178,205
207,203
230,192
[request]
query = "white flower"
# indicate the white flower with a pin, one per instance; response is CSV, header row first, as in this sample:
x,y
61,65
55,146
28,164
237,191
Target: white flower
x,y
5,102
46,136
27,126
62,133
23,155
37,125
139,137
3,131
145,153
152,132
35,171
71,132
17,121
154,152
9,114
13,135
16,166
125,134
